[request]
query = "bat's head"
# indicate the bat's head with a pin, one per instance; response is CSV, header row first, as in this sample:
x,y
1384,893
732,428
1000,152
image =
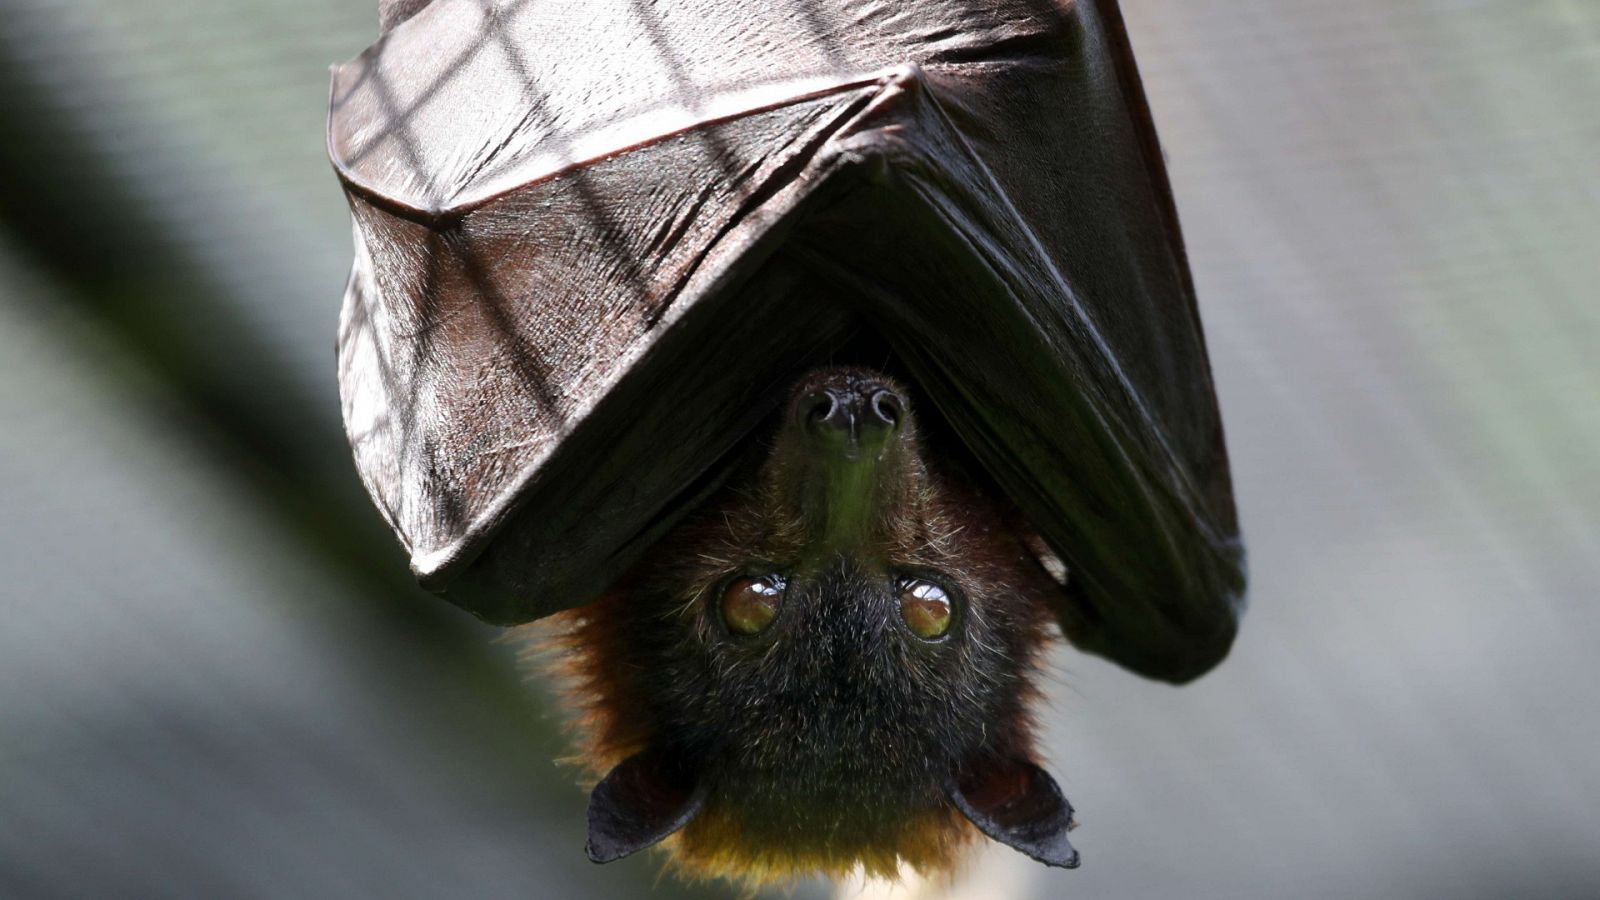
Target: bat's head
x,y
828,666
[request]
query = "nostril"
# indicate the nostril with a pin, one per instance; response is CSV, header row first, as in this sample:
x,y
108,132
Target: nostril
x,y
817,408
888,407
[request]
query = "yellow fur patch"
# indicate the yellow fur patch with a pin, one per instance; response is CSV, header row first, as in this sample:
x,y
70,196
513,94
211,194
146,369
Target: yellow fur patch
x,y
713,846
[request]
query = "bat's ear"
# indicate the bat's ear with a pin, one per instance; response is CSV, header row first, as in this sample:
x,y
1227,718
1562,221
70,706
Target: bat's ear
x,y
645,798
1018,804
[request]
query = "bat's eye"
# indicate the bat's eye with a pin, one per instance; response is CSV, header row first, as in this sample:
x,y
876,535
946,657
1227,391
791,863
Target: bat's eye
x,y
925,607
750,604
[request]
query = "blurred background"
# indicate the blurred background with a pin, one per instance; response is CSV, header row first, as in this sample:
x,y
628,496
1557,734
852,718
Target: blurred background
x,y
216,678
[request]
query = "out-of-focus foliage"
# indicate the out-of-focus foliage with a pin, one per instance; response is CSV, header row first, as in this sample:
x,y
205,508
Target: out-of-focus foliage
x,y
216,679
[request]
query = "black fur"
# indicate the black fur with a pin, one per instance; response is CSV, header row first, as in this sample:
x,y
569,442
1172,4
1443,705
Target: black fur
x,y
836,726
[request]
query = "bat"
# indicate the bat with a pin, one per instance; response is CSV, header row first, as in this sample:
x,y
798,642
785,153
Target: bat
x,y
827,666
811,358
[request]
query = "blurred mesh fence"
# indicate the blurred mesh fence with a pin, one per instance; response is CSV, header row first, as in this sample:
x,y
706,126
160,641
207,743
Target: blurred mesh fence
x,y
216,679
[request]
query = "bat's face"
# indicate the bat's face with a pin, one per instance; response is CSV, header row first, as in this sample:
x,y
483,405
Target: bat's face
x,y
827,667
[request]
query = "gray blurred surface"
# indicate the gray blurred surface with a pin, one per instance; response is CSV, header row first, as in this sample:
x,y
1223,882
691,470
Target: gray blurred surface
x,y
1393,212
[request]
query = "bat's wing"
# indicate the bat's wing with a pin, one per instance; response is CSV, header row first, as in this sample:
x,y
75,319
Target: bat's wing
x,y
591,242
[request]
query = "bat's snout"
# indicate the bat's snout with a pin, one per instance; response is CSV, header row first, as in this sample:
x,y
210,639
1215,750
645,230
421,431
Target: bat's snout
x,y
851,412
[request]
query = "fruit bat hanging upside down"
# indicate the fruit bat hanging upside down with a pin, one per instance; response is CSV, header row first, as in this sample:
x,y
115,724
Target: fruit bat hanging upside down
x,y
810,357
827,665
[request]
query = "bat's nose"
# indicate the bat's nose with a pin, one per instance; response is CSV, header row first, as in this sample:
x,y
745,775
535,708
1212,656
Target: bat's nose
x,y
856,412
